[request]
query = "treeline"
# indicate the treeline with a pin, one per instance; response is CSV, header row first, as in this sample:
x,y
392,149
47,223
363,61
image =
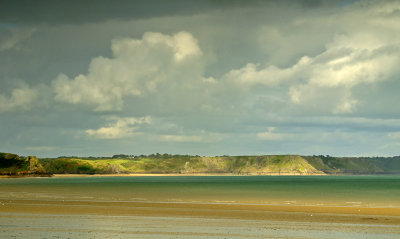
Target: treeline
x,y
132,156
68,166
14,165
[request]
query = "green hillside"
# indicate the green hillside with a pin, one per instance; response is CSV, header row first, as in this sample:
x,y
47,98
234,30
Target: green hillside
x,y
355,165
182,164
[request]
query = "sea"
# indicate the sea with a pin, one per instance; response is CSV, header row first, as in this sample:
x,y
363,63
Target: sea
x,y
366,191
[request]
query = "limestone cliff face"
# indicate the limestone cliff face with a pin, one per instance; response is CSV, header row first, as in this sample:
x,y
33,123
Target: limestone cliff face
x,y
251,165
34,165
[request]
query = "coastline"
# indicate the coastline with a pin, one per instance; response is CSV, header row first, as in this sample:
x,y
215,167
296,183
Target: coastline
x,y
27,176
70,175
177,174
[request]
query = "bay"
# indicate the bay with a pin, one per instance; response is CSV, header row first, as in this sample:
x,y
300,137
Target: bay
x,y
195,207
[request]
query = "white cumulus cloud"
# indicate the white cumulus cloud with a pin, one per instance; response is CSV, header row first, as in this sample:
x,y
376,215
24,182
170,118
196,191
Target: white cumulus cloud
x,y
325,82
21,98
271,134
121,128
137,68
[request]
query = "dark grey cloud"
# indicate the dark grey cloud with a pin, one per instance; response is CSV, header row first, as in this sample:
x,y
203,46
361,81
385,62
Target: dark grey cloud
x,y
76,11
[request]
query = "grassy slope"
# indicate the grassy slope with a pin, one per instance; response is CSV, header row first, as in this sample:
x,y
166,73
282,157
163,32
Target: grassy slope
x,y
270,164
279,164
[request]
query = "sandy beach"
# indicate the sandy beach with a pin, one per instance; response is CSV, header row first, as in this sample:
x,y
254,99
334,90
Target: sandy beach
x,y
46,219
389,216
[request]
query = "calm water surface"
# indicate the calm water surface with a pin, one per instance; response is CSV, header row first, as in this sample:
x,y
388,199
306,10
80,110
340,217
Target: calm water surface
x,y
383,191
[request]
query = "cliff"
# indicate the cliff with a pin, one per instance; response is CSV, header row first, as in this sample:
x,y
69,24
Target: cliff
x,y
355,165
185,164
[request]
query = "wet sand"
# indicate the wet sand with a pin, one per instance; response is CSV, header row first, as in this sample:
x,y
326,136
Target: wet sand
x,y
96,226
387,216
45,219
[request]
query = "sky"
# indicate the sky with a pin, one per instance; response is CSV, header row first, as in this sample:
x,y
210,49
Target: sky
x,y
98,78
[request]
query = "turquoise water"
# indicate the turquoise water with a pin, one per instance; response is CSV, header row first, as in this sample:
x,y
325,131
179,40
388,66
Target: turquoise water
x,y
383,191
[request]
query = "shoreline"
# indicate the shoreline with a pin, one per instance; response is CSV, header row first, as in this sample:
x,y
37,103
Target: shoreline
x,y
176,174
78,175
27,176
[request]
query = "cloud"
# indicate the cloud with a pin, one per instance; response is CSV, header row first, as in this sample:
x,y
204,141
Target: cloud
x,y
121,128
394,135
12,37
325,82
41,148
200,137
325,76
21,98
269,76
181,138
76,12
271,135
348,61
137,68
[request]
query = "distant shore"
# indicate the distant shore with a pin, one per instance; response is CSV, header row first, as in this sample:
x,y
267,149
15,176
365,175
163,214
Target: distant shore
x,y
26,175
